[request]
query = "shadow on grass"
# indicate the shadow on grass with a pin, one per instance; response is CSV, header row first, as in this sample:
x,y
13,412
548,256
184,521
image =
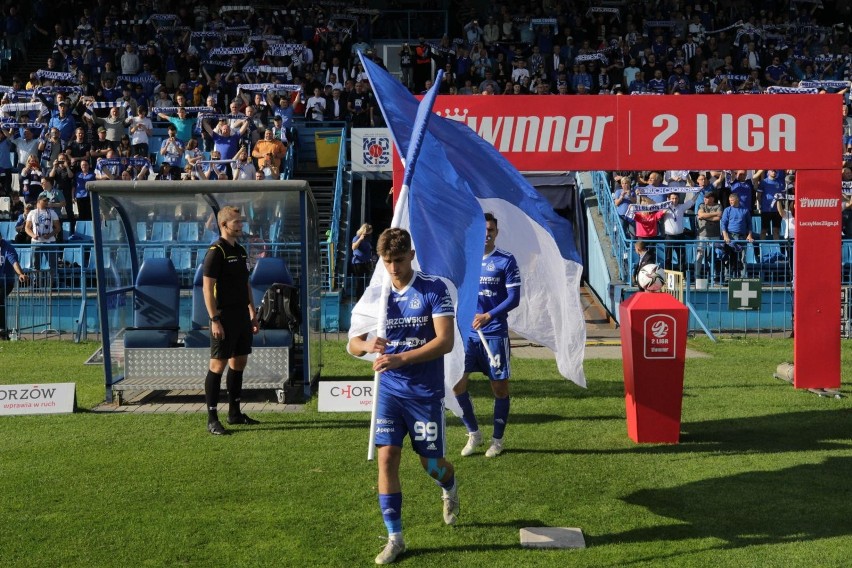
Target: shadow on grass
x,y
810,431
799,503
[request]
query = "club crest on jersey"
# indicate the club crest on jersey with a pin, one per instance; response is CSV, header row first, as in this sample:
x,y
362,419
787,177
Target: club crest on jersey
x,y
415,303
490,266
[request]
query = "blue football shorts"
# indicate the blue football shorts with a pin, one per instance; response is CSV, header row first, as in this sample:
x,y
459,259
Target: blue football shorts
x,y
476,358
421,419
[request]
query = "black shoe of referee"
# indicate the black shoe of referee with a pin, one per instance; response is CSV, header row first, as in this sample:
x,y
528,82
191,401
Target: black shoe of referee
x,y
242,419
216,428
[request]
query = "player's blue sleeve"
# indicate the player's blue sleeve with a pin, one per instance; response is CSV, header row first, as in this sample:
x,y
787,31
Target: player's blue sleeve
x,y
512,301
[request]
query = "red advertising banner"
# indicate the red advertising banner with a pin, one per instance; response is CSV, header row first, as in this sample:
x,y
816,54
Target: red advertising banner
x,y
540,133
694,132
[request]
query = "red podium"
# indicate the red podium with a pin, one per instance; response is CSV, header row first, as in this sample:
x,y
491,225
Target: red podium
x,y
653,347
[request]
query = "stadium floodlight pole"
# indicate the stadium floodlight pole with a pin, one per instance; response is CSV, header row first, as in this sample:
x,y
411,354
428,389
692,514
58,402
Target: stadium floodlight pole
x,y
491,360
424,111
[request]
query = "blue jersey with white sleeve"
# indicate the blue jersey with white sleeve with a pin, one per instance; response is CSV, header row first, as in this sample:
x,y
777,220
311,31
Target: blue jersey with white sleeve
x,y
499,273
410,324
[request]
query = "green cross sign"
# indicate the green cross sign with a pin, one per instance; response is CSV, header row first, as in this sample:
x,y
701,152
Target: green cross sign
x,y
744,294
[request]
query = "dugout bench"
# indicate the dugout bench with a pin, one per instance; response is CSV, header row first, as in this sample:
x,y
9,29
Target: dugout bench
x,y
154,323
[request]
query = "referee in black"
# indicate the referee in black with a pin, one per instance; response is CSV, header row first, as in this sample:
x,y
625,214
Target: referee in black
x,y
233,320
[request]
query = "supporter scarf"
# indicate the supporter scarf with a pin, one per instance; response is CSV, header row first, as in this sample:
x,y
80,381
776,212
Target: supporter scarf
x,y
282,49
545,22
775,90
139,79
633,209
227,51
665,190
23,107
846,187
173,109
601,10
109,104
266,69
72,42
123,163
269,38
440,49
826,84
267,87
56,75
210,35
224,9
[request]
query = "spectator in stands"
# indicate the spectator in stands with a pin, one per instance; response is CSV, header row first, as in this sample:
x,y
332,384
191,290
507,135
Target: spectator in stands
x,y
743,186
214,169
113,124
6,167
768,185
708,217
81,194
64,122
43,227
140,128
673,228
359,107
183,125
787,212
130,63
315,108
124,149
30,180
101,145
242,166
270,148
736,226
10,272
62,174
192,155
21,236
171,149
78,149
225,141
24,147
50,146
624,197
647,222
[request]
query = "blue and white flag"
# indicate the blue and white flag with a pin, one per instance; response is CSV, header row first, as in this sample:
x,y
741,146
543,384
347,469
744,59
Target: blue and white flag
x,y
456,164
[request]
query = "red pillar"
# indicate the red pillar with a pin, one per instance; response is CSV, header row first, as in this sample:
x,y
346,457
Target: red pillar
x,y
816,280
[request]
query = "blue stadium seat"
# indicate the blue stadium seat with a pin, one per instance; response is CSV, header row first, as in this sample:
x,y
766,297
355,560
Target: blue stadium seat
x,y
112,230
141,231
156,306
7,229
150,252
187,232
182,259
199,334
162,231
84,230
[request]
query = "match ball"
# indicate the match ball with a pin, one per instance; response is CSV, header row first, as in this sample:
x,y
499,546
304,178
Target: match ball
x,y
651,278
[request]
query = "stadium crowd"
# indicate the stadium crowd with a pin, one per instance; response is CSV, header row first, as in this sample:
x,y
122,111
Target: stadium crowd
x,y
193,90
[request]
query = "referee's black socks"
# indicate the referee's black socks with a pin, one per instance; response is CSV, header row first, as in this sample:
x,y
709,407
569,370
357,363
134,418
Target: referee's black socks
x,y
212,387
234,382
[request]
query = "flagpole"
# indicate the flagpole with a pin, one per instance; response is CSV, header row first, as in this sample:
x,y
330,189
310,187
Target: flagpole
x,y
491,360
409,164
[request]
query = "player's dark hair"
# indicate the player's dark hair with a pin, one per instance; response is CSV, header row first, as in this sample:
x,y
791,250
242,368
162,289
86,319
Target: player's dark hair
x,y
490,217
393,242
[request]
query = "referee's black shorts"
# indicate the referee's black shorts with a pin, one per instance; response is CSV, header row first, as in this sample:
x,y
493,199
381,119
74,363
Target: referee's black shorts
x,y
238,335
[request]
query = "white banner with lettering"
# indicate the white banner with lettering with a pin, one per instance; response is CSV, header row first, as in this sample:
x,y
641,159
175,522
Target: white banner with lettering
x,y
371,150
345,396
53,398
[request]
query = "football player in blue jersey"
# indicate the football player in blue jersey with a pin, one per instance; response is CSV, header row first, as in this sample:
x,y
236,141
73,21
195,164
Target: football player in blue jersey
x,y
487,345
410,361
